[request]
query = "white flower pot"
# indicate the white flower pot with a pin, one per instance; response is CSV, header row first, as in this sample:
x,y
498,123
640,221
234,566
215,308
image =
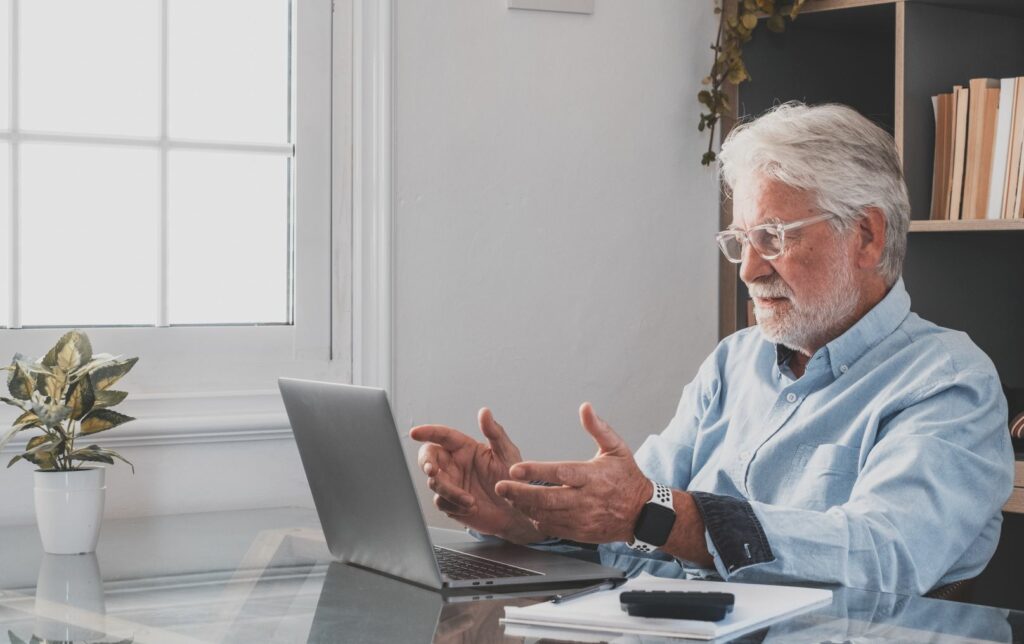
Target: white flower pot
x,y
69,599
69,509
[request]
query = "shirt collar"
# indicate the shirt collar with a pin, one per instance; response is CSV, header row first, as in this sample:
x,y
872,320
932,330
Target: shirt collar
x,y
876,325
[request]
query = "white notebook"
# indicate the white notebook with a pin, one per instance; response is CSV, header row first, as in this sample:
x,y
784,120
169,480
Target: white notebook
x,y
756,606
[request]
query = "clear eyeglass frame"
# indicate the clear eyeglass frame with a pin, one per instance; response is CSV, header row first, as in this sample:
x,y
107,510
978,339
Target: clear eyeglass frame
x,y
768,240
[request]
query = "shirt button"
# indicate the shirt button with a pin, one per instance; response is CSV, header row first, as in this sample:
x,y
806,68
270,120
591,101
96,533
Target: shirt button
x,y
791,397
843,368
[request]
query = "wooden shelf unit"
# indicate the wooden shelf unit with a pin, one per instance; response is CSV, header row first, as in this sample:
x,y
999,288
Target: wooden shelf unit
x,y
965,225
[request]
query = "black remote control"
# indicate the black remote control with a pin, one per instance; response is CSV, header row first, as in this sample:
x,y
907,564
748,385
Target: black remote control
x,y
704,606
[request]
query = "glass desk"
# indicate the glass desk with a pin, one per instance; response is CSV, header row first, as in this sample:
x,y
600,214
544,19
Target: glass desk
x,y
266,576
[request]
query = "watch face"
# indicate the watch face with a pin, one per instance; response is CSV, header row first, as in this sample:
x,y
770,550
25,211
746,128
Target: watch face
x,y
655,524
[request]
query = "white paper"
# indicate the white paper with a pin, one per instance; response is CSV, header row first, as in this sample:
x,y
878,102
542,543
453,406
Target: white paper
x,y
756,605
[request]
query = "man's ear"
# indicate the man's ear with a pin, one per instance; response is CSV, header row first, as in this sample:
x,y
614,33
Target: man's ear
x,y
870,237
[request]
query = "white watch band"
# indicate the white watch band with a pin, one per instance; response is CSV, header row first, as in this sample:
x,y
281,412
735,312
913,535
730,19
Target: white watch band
x,y
662,495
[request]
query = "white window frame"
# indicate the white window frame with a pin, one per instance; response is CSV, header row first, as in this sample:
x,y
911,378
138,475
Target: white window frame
x,y
217,383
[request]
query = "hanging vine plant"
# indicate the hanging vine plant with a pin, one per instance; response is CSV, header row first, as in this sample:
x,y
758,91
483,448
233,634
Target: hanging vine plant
x,y
735,28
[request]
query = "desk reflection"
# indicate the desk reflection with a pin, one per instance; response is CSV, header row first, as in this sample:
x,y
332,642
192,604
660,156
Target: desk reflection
x,y
358,605
69,603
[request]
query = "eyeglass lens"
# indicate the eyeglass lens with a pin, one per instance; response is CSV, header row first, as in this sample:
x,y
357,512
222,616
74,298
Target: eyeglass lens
x,y
766,242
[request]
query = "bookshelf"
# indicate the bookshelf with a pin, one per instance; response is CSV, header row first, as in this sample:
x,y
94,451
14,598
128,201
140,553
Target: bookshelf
x,y
886,58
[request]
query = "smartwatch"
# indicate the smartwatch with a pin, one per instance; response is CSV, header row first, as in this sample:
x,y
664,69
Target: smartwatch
x,y
656,520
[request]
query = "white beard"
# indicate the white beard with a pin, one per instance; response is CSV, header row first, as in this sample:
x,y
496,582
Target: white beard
x,y
805,323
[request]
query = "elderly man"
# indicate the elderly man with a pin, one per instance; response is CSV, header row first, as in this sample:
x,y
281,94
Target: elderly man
x,y
843,440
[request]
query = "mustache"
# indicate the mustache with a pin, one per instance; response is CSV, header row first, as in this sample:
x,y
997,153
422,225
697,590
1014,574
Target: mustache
x,y
767,288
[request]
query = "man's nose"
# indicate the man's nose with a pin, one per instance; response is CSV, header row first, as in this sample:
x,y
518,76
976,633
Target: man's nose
x,y
753,266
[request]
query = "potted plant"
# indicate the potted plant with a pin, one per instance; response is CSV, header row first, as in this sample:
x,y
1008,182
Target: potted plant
x,y
66,396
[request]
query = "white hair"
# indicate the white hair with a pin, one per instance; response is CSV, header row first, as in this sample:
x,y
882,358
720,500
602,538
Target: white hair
x,y
845,160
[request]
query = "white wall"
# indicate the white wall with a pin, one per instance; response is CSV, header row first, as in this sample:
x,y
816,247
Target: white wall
x,y
554,242
554,225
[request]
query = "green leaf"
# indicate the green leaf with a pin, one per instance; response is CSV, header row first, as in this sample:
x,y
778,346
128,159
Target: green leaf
x,y
29,418
107,375
749,21
708,158
776,23
36,441
42,459
24,404
14,460
81,397
109,398
9,435
71,352
91,455
20,383
100,420
52,384
98,454
97,360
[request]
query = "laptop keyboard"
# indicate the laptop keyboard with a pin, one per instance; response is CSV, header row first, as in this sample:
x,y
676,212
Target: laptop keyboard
x,y
458,566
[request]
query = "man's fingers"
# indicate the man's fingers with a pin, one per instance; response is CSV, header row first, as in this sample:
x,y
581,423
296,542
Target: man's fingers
x,y
448,438
431,458
605,437
498,439
533,498
442,485
453,510
571,473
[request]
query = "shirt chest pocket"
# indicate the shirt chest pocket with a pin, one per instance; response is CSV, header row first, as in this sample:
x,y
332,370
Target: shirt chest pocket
x,y
822,476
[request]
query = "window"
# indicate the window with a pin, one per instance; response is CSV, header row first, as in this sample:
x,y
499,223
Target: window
x,y
165,178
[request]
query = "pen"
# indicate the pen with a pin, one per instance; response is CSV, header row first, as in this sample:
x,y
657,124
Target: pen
x,y
607,585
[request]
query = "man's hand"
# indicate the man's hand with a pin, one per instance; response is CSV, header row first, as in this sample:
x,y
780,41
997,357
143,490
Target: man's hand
x,y
463,472
599,500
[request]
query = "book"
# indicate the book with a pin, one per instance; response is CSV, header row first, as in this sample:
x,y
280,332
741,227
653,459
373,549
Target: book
x,y
1016,161
947,109
981,125
756,606
1018,207
937,168
959,150
1001,150
941,169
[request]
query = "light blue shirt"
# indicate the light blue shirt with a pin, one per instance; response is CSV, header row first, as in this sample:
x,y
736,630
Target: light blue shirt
x,y
885,466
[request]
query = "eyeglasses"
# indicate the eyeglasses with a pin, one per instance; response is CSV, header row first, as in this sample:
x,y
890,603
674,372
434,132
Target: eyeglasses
x,y
767,240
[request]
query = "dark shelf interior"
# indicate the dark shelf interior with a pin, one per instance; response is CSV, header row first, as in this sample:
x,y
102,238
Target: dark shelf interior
x,y
972,285
845,56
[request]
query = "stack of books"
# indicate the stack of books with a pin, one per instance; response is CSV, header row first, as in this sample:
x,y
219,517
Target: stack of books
x,y
978,171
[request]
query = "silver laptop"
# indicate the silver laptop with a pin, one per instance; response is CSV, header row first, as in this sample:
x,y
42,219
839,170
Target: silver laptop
x,y
368,508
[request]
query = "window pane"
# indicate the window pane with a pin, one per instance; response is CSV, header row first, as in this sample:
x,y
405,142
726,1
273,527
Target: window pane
x,y
89,219
228,239
228,67
5,229
90,67
5,64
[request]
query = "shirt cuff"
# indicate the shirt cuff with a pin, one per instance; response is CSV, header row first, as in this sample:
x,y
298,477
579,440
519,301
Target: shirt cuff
x,y
734,536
